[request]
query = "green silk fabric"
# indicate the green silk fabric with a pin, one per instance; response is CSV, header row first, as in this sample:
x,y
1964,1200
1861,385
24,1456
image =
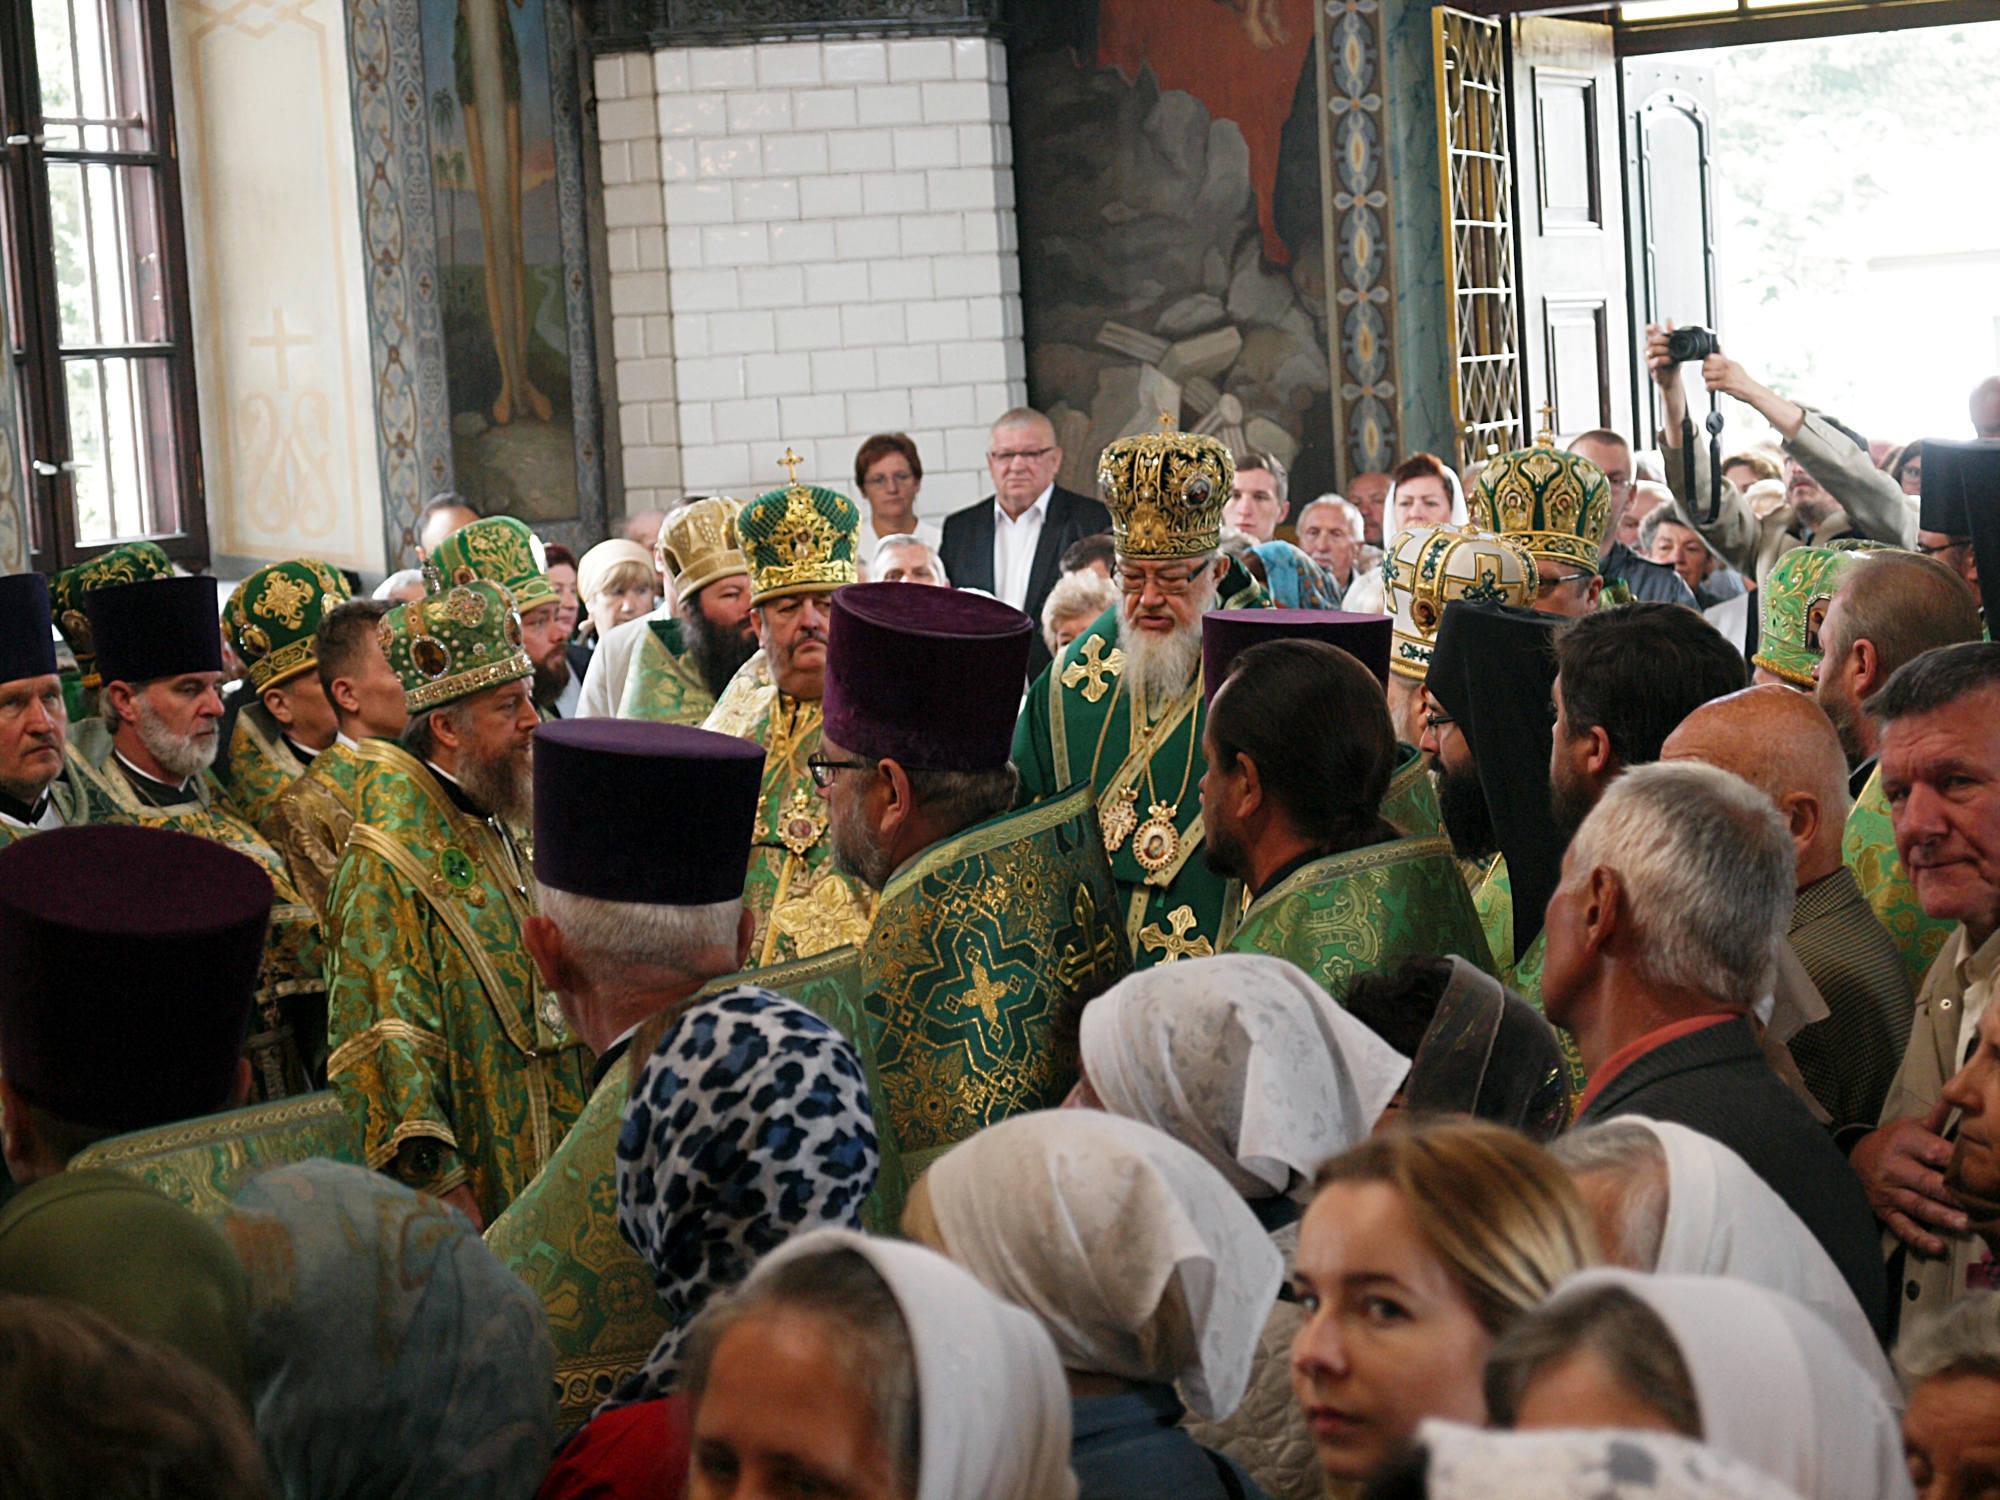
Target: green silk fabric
x,y
261,763
661,684
1411,802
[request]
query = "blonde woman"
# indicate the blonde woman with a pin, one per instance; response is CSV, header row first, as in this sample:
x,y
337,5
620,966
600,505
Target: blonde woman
x,y
616,583
1420,1248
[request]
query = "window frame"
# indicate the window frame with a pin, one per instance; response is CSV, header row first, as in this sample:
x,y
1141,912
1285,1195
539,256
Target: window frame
x,y
35,315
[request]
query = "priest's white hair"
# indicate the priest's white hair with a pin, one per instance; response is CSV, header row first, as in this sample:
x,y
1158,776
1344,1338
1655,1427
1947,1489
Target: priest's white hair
x,y
623,943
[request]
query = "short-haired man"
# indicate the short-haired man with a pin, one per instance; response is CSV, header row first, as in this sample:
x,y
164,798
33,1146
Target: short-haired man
x,y
1781,743
682,657
1122,709
270,621
1939,721
35,791
1091,554
123,1003
1299,753
634,915
908,559
441,516
503,550
1369,493
456,1064
308,823
1662,938
1330,534
913,764
1011,543
1645,578
1258,498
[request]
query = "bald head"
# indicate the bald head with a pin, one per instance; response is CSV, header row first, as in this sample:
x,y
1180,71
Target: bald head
x,y
1782,743
1985,407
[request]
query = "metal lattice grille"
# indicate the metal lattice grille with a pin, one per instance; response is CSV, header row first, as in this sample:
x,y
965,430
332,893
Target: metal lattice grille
x,y
1477,179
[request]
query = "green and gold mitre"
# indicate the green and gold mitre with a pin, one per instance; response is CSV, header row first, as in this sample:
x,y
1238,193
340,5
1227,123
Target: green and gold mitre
x,y
799,540
275,612
500,550
133,562
1794,600
454,644
1165,491
1556,504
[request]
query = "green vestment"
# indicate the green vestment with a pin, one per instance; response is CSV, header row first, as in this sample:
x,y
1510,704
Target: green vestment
x,y
1078,727
261,763
200,1163
1411,802
801,905
1363,911
1869,848
1493,898
662,683
65,794
309,821
456,1063
985,948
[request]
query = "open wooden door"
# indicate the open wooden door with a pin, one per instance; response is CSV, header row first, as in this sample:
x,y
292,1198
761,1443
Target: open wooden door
x,y
1578,351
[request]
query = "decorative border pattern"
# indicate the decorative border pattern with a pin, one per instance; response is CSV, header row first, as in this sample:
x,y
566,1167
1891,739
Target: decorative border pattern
x,y
1358,192
644,25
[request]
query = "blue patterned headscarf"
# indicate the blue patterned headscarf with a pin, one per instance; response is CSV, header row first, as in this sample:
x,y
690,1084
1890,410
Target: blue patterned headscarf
x,y
750,1124
391,1353
1295,580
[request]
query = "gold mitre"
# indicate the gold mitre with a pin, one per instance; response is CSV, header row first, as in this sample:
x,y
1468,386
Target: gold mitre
x,y
699,544
1556,504
1165,491
1429,566
800,539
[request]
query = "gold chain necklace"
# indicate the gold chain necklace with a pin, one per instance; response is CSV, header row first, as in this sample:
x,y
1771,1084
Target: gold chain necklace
x,y
1158,841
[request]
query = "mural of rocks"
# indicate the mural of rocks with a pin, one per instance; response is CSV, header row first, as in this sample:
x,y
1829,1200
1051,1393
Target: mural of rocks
x,y
1155,275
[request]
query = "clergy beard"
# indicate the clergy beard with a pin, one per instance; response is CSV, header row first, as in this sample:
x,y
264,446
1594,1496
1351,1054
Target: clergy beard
x,y
717,652
503,785
1467,818
1570,803
1846,716
856,854
1161,666
1225,853
179,755
551,677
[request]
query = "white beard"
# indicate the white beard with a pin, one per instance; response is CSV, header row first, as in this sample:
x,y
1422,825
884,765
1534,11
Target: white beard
x,y
1162,666
178,755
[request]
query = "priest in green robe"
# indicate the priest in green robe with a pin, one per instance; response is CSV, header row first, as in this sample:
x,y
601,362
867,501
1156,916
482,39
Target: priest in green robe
x,y
1557,506
453,1058
36,790
147,759
685,658
1121,708
636,914
1300,749
271,620
800,543
995,926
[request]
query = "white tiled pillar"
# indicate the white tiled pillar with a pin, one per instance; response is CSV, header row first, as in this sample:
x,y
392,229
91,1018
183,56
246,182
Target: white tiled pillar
x,y
810,242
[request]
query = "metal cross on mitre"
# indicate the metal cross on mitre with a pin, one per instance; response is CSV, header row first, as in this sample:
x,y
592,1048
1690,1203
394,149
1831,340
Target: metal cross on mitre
x,y
790,464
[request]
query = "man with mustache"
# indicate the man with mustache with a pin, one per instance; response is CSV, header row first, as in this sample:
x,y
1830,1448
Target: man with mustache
x,y
799,542
34,791
1121,707
503,550
449,1053
146,759
685,656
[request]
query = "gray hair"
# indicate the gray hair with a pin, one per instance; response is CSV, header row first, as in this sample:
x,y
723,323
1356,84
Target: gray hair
x,y
622,945
1074,594
911,539
1649,528
1347,508
1964,1339
1270,463
1629,1155
402,579
1707,867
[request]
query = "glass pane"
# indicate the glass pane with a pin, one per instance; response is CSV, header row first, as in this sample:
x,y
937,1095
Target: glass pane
x,y
91,58
106,227
122,441
1663,10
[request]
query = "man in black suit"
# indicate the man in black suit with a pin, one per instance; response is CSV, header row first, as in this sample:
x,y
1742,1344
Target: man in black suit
x,y
1662,938
1011,543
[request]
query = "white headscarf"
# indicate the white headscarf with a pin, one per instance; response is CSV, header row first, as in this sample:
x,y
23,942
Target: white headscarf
x,y
992,1402
596,565
1459,515
1723,1220
1243,1059
1132,1250
1775,1386
1470,1463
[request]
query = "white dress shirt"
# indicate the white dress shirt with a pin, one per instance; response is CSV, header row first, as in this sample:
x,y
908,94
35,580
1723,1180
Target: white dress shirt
x,y
1014,543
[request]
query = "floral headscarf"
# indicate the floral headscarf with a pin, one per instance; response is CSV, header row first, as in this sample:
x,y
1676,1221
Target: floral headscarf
x,y
1295,580
750,1124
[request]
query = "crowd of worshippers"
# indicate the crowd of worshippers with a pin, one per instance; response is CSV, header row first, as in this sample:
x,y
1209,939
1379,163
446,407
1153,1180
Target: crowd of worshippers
x,y
1167,1012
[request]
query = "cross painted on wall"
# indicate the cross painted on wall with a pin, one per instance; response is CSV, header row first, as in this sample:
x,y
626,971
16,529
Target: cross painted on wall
x,y
278,341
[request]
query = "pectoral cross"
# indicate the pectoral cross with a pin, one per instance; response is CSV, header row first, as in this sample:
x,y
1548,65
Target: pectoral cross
x,y
1175,944
1096,953
1093,668
790,464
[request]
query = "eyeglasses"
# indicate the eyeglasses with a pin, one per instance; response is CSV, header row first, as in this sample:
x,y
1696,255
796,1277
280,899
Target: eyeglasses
x,y
883,481
1173,585
823,769
1556,583
1026,456
1952,545
1435,722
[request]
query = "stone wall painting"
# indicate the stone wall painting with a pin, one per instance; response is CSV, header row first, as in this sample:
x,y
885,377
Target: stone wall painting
x,y
1173,259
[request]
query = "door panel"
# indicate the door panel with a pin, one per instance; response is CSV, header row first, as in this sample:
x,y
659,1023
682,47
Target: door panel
x,y
1578,350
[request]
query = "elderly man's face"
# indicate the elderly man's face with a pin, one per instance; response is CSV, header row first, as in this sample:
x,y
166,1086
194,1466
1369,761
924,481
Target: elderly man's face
x,y
33,723
1161,598
793,633
1951,1437
1680,548
906,565
1328,537
1975,1091
1254,506
1941,775
1023,462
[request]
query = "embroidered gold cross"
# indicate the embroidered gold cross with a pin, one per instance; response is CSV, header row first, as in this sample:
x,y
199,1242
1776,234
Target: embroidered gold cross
x,y
1175,944
1094,953
1094,669
985,996
790,464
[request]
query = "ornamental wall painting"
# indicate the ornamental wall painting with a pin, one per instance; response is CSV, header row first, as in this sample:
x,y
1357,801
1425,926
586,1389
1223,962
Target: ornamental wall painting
x,y
1173,243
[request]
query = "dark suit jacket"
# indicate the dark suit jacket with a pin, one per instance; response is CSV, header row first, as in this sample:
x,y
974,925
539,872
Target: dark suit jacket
x,y
967,551
1717,1081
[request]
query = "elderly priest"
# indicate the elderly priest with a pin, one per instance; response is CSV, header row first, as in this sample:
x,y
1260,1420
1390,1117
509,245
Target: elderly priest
x,y
35,792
